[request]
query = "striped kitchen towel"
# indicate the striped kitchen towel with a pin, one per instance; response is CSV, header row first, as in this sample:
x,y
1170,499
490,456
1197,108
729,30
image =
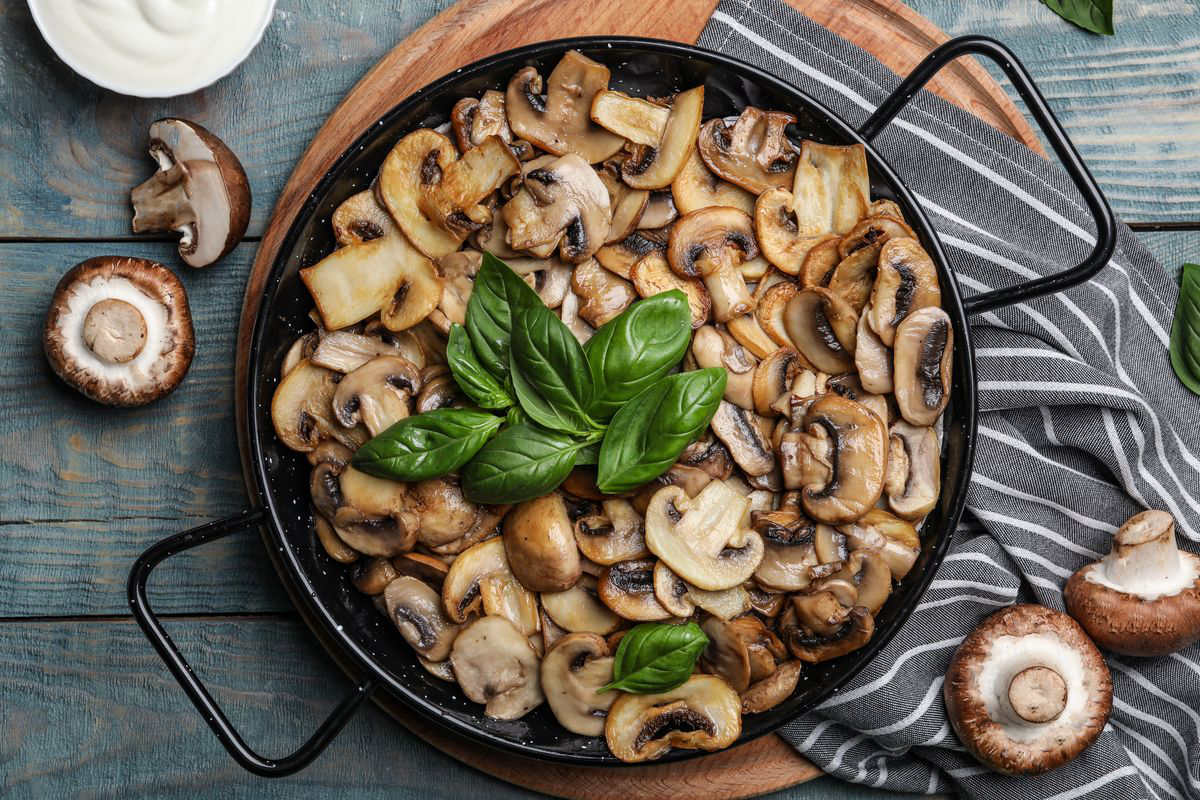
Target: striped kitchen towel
x,y
1082,425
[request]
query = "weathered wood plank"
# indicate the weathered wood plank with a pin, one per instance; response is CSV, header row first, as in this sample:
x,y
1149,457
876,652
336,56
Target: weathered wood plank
x,y
90,711
1173,249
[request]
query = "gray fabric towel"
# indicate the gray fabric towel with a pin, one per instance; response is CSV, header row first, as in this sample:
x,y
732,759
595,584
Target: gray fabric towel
x,y
1083,424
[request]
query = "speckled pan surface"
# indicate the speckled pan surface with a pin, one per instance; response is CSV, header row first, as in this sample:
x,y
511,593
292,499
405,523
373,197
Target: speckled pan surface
x,y
347,618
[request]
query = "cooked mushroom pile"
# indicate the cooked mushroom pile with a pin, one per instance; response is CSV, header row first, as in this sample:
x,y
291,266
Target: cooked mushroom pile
x,y
780,530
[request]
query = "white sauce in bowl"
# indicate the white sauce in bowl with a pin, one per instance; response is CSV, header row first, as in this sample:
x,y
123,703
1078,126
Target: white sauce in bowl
x,y
152,48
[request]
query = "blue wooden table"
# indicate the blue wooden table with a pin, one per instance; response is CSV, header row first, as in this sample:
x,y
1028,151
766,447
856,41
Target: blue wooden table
x,y
86,709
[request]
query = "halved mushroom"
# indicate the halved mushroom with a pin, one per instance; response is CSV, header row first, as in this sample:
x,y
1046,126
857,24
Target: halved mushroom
x,y
914,475
445,514
772,690
697,187
360,218
540,542
495,665
895,539
742,431
620,257
416,610
333,546
752,152
563,205
462,591
579,610
713,347
426,568
740,651
475,120
820,263
652,275
702,714
654,165
603,295
826,630
872,359
627,588
559,122
702,539
660,210
786,237
377,394
771,311
857,460
832,190
824,328
682,599
923,352
710,244
435,196
906,282
199,190
710,455
773,379
749,334
342,351
572,672
302,410
614,534
788,551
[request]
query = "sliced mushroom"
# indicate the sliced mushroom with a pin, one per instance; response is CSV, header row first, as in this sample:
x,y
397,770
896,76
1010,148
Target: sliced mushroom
x,y
709,454
416,610
788,550
568,312
750,335
786,238
360,218
697,187
495,665
572,673
842,633
302,410
343,351
883,207
906,282
540,541
710,244
857,460
373,575
504,596
475,120
823,328
702,714
302,347
772,690
638,120
895,539
438,390
854,276
619,257
614,534
752,152
914,476
334,547
872,359
660,210
832,190
771,311
654,165
682,599
445,514
820,263
579,610
740,651
199,190
712,347
627,204
462,592
559,122
628,589
493,237
425,568
873,231
923,353
652,275
563,205
487,526
773,379
741,431
378,393
701,539
457,273
603,295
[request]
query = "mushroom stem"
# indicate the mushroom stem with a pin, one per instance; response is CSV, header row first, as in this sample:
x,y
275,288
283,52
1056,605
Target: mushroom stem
x,y
1144,559
161,203
1037,694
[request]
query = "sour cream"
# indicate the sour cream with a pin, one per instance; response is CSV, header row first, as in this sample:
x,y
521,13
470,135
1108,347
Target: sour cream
x,y
152,48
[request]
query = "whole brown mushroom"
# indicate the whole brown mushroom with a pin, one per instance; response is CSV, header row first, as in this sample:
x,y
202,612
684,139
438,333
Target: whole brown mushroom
x,y
1027,690
1143,598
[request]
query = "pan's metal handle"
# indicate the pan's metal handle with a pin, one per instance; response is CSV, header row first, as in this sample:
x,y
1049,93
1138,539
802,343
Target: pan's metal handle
x,y
1106,231
200,697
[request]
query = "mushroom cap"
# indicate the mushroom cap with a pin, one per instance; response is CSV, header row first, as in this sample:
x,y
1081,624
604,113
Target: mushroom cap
x,y
574,668
119,330
495,665
703,713
1143,598
1010,672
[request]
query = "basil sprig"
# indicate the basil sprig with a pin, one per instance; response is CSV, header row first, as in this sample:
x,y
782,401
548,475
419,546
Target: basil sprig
x,y
426,445
656,657
1091,15
1185,332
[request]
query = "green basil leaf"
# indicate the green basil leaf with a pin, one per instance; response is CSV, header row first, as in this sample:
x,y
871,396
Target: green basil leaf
x,y
635,349
475,381
521,463
588,456
426,445
1185,331
656,657
497,292
650,431
516,416
1091,15
549,371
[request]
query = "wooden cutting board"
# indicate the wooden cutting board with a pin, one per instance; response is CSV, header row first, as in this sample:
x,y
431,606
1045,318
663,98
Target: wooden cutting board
x,y
472,29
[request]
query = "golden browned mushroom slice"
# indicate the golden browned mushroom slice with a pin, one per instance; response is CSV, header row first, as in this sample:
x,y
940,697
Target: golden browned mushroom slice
x,y
360,218
627,204
334,547
1027,690
832,190
572,672
914,477
602,294
302,348
119,331
563,205
785,234
652,275
627,588
824,328
753,152
746,435
486,526
682,599
638,120
438,390
660,210
771,309
416,611
773,379
906,281
462,590
863,579
788,551
711,244
540,541
426,568
654,165
199,190
697,187
857,459
854,276
558,121
872,231
819,264
740,651
923,354
579,609
549,277
445,514
302,410
1143,598
895,539
377,394
367,513
884,207
702,714
619,257
772,690
713,347
474,120
457,274
611,532
708,454
373,575
495,665
824,629
872,359
702,539
568,312
749,334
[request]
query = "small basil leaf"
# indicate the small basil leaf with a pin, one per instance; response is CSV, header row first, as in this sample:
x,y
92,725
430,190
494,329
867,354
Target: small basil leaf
x,y
496,293
426,445
520,463
516,416
636,348
549,371
1185,331
650,431
475,381
656,657
1091,15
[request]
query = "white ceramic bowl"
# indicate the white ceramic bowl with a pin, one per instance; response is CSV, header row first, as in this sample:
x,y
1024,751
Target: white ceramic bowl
x,y
51,18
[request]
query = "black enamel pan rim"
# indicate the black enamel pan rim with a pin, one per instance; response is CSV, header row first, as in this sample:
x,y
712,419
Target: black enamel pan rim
x,y
287,562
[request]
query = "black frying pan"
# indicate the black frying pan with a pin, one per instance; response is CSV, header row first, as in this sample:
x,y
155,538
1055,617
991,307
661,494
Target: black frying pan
x,y
360,638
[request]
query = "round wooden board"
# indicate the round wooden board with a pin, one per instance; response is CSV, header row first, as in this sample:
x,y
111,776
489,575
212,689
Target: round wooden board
x,y
468,31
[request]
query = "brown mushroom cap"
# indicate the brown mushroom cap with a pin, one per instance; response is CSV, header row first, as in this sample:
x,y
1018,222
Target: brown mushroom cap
x,y
119,330
1027,690
200,190
540,542
752,152
703,713
1143,598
